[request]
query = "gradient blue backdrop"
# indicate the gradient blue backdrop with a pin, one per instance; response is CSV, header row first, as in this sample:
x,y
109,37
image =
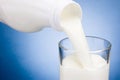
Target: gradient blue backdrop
x,y
34,56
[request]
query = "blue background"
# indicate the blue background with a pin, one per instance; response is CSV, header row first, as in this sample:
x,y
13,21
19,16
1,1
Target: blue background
x,y
35,56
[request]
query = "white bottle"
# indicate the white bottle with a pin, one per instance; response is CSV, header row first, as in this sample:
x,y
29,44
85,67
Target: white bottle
x,y
33,15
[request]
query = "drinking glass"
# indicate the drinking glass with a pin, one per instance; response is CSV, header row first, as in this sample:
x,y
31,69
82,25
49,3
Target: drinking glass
x,y
98,46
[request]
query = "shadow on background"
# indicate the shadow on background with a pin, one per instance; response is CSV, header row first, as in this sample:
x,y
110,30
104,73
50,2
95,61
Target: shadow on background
x,y
10,66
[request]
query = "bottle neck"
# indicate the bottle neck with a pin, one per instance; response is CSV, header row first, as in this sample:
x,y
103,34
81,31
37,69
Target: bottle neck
x,y
59,12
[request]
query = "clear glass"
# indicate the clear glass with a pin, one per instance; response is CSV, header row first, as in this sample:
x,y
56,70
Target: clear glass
x,y
98,46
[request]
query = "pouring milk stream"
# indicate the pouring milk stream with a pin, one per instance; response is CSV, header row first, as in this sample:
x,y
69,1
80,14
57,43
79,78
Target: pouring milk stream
x,y
62,15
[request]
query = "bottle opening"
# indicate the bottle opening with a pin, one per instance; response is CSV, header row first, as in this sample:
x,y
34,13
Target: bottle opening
x,y
71,11
65,11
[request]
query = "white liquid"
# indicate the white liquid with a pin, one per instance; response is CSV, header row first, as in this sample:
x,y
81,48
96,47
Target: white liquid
x,y
71,25
73,28
72,70
81,65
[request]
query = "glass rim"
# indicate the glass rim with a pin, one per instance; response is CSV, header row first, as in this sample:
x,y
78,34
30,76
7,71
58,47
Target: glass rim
x,y
95,51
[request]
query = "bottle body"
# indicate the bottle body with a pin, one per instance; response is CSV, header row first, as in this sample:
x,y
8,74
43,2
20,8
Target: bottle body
x,y
24,15
32,15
